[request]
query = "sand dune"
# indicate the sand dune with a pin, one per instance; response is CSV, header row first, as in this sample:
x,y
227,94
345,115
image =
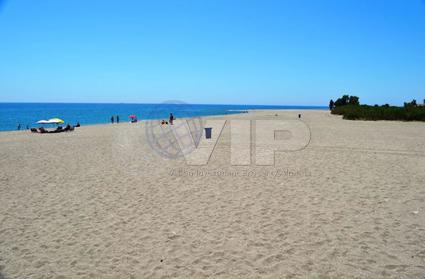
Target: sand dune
x,y
100,203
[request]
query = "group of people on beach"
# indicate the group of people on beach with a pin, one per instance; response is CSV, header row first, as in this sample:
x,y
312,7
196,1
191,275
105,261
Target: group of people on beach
x,y
170,120
68,127
163,122
59,129
113,119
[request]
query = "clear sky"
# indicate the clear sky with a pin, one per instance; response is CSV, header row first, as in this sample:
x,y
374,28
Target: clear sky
x,y
212,51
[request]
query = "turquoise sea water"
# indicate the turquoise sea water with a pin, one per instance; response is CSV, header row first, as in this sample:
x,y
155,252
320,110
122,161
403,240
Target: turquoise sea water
x,y
27,114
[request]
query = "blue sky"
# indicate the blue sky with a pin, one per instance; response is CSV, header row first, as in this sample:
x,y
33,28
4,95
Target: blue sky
x,y
235,52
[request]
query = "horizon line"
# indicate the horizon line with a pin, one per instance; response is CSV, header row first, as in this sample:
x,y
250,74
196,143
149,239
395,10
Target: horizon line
x,y
137,103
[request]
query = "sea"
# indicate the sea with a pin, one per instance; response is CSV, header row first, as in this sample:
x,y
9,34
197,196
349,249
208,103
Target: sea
x,y
25,115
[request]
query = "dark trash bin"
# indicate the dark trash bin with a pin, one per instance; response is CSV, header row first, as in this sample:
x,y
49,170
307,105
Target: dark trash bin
x,y
208,132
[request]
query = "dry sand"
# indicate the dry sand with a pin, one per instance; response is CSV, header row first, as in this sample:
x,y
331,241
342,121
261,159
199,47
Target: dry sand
x,y
99,203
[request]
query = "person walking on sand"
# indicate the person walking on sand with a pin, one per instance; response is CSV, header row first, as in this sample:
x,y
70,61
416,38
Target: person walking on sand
x,y
112,119
171,119
118,119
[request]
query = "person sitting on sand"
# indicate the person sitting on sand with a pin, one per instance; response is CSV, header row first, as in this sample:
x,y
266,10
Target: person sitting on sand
x,y
67,127
42,130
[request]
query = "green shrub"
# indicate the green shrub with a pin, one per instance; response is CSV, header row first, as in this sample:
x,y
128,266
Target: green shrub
x,y
365,112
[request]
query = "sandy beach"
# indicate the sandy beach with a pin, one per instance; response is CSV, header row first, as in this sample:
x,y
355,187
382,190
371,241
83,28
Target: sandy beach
x,y
100,203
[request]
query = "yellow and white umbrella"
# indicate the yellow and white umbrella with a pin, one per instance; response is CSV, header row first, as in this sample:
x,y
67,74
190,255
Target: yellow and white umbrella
x,y
51,121
56,121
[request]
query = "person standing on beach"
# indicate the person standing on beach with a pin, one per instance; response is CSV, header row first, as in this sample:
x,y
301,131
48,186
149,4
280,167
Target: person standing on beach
x,y
112,119
19,126
171,118
118,119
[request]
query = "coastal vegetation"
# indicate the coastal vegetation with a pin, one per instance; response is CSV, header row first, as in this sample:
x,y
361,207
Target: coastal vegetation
x,y
350,108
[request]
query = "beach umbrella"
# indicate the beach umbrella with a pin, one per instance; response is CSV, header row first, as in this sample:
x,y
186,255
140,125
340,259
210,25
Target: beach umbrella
x,y
132,116
56,121
43,122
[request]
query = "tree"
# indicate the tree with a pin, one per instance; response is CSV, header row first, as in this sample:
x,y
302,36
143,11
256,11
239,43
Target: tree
x,y
345,99
411,104
342,101
331,104
354,100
